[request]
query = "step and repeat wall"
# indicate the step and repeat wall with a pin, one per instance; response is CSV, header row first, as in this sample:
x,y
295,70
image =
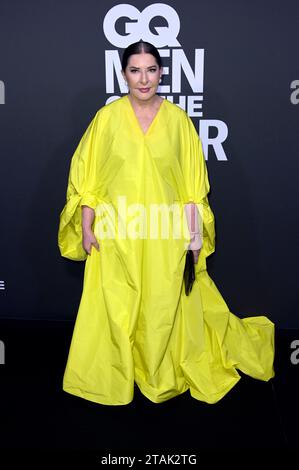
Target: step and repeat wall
x,y
232,66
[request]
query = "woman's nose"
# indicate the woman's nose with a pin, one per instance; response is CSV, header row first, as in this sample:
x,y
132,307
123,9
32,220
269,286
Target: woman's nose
x,y
144,78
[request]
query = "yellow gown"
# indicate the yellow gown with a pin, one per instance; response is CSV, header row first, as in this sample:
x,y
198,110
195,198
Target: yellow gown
x,y
135,322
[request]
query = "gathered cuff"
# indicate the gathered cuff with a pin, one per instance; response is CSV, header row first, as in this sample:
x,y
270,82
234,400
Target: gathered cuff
x,y
89,199
70,226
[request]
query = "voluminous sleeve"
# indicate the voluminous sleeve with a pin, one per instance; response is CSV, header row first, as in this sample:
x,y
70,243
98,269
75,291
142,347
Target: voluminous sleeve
x,y
82,189
197,188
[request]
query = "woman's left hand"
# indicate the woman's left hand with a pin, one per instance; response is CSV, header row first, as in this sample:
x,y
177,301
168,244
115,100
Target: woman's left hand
x,y
195,255
195,246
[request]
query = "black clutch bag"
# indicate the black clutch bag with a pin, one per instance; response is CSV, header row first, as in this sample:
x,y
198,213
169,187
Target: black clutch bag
x,y
189,272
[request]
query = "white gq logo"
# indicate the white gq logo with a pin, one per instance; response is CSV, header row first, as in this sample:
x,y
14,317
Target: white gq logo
x,y
138,27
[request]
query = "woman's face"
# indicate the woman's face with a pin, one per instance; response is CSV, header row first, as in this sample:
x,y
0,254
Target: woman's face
x,y
142,75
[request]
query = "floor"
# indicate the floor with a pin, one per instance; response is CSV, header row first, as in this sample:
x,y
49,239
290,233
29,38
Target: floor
x,y
36,415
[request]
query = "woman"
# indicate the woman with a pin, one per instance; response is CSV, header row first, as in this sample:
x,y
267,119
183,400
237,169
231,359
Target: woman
x,y
135,322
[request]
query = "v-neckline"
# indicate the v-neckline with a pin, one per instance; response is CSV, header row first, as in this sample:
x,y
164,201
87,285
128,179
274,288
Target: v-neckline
x,y
137,120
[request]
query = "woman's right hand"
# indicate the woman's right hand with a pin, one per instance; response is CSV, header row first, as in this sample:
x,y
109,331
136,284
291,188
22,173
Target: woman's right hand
x,y
89,240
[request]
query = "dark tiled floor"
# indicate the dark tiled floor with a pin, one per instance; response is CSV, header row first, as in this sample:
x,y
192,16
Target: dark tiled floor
x,y
37,415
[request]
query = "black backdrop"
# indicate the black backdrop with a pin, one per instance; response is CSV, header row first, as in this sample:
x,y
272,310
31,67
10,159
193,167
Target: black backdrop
x,y
53,80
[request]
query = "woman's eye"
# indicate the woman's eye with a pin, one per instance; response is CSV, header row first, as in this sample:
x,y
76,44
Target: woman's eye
x,y
151,70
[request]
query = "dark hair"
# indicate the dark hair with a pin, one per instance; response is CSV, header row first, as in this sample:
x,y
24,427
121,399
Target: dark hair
x,y
138,48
